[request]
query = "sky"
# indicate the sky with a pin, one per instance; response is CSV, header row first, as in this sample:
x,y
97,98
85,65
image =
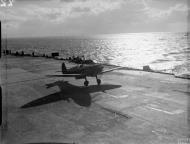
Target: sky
x,y
38,18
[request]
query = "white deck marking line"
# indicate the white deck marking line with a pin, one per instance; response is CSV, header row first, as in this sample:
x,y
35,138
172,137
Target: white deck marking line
x,y
121,96
171,113
164,98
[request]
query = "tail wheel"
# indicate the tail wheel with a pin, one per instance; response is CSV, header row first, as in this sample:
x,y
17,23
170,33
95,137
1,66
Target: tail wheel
x,y
86,83
98,81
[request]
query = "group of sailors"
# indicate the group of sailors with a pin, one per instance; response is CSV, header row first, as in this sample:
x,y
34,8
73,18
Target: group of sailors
x,y
75,59
21,53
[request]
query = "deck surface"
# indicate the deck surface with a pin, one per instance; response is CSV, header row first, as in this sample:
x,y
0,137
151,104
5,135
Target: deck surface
x,y
132,107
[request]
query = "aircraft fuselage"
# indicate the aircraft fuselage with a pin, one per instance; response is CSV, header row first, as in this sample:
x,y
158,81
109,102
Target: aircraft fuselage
x,y
86,70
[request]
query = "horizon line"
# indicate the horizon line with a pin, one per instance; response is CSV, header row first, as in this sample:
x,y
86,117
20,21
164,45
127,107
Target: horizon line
x,y
84,35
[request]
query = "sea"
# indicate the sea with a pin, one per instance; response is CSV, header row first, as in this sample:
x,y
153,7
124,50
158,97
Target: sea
x,y
162,51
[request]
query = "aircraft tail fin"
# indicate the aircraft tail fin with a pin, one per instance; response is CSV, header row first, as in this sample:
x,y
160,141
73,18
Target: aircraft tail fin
x,y
64,69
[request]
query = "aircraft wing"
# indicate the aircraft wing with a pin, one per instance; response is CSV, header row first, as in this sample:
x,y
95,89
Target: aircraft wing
x,y
64,75
109,70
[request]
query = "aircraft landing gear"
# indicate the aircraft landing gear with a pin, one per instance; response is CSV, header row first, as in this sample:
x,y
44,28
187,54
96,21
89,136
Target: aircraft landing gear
x,y
86,82
98,80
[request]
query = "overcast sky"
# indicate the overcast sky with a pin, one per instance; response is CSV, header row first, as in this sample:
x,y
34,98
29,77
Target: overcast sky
x,y
87,17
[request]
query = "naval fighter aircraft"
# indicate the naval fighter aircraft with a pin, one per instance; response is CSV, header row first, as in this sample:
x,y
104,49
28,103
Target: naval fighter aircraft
x,y
83,71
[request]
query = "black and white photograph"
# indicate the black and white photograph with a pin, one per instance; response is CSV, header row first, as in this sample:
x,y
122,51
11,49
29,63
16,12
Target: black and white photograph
x,y
95,72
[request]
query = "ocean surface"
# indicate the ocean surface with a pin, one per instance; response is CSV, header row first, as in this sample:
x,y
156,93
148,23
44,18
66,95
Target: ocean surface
x,y
161,51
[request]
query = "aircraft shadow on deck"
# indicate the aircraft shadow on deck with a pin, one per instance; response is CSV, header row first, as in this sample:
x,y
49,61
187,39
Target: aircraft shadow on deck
x,y
79,94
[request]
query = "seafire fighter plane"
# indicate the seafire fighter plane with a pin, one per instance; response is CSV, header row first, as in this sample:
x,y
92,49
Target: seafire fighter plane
x,y
84,71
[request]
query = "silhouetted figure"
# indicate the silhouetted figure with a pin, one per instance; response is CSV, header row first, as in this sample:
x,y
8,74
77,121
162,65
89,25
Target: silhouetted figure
x,y
16,53
22,53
